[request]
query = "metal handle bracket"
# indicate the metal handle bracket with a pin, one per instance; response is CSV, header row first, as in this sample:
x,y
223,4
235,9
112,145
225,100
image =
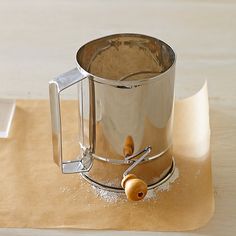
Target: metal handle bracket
x,y
145,152
56,86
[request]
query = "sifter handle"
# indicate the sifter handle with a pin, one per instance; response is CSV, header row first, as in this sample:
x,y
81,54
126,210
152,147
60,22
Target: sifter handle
x,y
56,86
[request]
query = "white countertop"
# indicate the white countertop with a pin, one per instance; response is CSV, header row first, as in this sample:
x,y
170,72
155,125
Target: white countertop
x,y
39,40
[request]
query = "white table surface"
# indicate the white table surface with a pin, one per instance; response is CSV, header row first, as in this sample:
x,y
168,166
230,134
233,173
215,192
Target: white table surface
x,y
39,39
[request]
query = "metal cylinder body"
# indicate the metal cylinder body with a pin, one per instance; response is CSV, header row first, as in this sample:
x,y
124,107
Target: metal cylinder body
x,y
129,93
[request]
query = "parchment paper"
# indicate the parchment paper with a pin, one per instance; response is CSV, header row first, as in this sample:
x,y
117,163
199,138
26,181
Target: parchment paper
x,y
35,194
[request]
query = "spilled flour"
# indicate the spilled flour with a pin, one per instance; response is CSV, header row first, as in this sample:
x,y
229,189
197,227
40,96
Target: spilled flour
x,y
167,185
108,196
112,197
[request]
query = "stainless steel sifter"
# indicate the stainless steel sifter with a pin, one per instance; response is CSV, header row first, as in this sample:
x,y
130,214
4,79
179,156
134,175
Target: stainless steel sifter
x,y
126,93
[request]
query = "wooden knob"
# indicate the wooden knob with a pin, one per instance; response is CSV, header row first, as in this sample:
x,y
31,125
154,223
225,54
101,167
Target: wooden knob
x,y
135,189
128,146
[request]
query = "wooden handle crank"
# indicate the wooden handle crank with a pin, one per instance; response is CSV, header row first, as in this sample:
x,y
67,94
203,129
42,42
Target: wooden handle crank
x,y
128,146
135,188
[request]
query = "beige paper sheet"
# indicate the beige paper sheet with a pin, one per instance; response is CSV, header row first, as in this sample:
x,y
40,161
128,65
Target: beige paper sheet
x,y
35,194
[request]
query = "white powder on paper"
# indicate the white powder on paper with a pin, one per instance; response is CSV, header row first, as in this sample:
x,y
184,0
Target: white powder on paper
x,y
152,194
113,197
108,196
167,185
